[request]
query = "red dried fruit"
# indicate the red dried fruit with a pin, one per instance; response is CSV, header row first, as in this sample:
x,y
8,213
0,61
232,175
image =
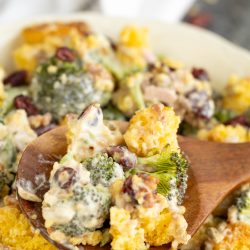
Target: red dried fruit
x,y
17,78
200,74
26,103
123,156
128,189
145,194
65,177
65,54
241,120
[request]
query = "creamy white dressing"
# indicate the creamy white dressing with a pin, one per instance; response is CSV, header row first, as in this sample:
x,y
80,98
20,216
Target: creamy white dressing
x,y
27,192
22,134
60,214
89,135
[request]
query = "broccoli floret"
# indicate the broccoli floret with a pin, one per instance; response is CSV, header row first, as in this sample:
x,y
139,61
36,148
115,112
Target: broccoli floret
x,y
62,87
103,170
72,229
92,205
7,157
243,206
187,129
7,149
223,115
171,170
5,180
112,113
11,93
134,87
129,97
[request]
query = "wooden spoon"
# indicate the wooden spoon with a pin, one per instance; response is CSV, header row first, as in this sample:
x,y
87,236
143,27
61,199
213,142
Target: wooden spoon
x,y
215,170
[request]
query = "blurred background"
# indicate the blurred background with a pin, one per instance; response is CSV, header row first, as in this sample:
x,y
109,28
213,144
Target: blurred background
x,y
229,18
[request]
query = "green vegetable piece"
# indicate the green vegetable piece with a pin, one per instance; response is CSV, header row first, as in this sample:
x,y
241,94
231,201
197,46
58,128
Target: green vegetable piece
x,y
71,229
243,206
11,93
136,92
106,237
103,170
5,179
223,115
95,201
7,153
112,113
171,169
61,87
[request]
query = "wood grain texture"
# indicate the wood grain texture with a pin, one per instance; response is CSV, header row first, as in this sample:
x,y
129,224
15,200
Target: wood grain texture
x,y
215,170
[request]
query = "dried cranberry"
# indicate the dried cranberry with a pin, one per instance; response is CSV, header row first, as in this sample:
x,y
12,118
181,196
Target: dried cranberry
x,y
65,54
241,120
200,74
147,191
128,189
26,103
44,129
112,44
201,105
17,78
123,156
65,177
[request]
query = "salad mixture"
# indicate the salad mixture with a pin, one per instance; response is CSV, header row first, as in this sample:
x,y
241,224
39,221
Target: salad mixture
x,y
120,188
123,189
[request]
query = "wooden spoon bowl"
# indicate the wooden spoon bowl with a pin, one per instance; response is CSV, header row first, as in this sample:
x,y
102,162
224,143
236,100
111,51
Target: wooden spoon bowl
x,y
215,170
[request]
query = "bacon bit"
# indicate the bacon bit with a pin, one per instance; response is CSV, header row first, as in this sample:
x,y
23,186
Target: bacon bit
x,y
136,192
65,54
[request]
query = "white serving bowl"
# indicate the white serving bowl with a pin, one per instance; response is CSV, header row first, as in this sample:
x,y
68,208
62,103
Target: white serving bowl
x,y
191,45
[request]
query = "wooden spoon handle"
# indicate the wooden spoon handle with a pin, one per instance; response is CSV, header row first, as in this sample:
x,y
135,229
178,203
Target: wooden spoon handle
x,y
216,170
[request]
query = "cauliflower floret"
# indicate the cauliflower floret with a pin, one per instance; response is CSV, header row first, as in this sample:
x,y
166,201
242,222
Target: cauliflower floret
x,y
22,134
151,129
88,135
225,133
237,95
